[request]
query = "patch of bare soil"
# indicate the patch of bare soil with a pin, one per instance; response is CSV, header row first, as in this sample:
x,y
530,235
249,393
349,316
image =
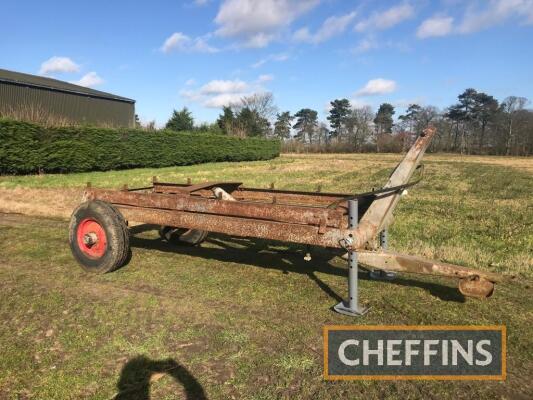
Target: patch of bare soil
x,y
56,203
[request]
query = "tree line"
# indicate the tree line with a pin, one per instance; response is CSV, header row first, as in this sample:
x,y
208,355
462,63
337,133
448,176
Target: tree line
x,y
476,124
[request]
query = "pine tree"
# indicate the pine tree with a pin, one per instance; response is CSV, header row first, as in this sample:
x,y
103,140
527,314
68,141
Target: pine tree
x,y
282,126
383,118
181,120
306,123
340,109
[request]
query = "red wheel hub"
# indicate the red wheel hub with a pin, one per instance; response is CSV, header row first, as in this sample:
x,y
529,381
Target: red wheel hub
x,y
91,238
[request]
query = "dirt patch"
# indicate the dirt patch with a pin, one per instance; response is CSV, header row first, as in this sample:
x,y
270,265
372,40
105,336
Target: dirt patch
x,y
56,203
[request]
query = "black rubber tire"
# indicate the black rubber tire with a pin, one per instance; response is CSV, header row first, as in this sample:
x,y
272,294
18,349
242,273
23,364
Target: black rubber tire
x,y
117,251
191,237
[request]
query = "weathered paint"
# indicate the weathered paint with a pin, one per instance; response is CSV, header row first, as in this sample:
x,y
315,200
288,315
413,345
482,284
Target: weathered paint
x,y
390,261
292,216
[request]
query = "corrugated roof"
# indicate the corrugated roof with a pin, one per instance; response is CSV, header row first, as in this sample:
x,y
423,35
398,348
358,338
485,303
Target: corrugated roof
x,y
18,78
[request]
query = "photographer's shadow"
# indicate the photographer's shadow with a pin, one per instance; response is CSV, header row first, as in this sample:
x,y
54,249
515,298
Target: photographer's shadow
x,y
137,375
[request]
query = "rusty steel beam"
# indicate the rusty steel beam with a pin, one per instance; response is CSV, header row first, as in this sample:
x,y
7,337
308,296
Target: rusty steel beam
x,y
284,198
380,211
472,282
177,188
295,215
235,226
258,194
390,261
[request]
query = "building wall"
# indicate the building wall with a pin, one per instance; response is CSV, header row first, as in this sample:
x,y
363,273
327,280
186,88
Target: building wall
x,y
76,108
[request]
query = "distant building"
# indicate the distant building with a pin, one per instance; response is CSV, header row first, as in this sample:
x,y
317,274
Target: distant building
x,y
24,96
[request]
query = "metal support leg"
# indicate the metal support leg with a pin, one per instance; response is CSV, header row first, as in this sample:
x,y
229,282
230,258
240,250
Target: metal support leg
x,y
379,274
351,306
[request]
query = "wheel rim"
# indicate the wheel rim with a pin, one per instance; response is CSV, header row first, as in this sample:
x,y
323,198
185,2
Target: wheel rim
x,y
91,238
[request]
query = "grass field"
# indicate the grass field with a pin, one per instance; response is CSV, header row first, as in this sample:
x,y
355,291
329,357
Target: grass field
x,y
242,318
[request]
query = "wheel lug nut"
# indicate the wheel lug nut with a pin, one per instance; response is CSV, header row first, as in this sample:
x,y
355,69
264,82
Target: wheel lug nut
x,y
89,239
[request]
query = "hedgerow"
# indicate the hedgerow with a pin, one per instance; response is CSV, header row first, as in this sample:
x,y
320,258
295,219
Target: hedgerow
x,y
28,148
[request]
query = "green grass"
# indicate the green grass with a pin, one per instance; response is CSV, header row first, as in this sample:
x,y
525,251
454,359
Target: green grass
x,y
243,317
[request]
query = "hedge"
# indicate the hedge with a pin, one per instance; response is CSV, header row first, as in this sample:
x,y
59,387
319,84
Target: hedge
x,y
28,148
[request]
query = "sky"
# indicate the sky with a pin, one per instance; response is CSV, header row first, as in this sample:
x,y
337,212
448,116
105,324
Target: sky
x,y
204,54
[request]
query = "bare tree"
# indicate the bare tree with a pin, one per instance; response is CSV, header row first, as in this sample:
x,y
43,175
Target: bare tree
x,y
322,133
359,126
512,106
262,103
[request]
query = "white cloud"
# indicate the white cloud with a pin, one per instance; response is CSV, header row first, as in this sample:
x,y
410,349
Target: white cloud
x,y
302,35
191,95
89,80
386,19
221,86
176,40
370,43
496,12
200,45
190,82
477,18
265,78
256,23
58,64
218,93
180,42
331,27
271,57
364,45
376,87
225,99
435,26
359,103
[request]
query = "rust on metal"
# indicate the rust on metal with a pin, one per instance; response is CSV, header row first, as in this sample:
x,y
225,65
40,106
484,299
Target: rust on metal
x,y
311,218
390,261
212,205
235,226
258,194
477,287
161,187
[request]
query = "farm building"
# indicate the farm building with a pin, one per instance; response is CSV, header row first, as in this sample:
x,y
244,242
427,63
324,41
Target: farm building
x,y
41,99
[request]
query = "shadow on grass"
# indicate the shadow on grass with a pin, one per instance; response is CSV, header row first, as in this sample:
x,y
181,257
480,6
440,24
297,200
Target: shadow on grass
x,y
245,251
138,373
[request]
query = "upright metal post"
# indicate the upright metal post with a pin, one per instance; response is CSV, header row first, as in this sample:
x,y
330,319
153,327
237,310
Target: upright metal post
x,y
380,274
351,306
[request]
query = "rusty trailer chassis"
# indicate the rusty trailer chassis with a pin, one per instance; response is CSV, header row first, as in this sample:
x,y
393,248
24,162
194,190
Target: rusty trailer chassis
x,y
332,220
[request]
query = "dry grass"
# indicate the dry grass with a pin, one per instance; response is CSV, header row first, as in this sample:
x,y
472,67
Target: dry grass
x,y
40,115
243,317
56,203
35,114
522,163
446,218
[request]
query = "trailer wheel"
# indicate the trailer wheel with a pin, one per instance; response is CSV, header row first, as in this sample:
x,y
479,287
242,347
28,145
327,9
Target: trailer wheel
x,y
99,237
191,237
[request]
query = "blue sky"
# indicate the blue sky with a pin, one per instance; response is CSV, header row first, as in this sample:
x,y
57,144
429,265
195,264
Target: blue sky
x,y
206,53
